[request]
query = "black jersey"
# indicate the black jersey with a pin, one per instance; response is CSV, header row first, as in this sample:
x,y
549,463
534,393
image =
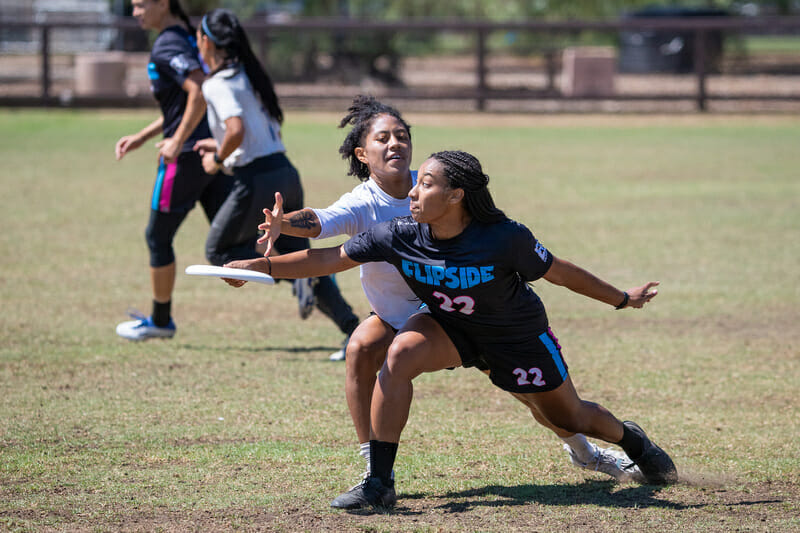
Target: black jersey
x,y
476,281
174,56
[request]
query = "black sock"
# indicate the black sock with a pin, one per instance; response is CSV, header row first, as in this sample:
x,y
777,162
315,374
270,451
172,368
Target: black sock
x,y
632,443
381,459
161,313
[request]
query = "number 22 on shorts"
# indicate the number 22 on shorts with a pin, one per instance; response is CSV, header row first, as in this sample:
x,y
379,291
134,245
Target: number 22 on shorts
x,y
523,376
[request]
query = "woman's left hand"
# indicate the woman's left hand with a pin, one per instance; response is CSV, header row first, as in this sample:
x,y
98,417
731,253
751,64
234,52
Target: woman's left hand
x,y
639,296
244,264
169,149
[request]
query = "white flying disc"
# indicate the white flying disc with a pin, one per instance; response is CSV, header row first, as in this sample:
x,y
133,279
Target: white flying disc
x,y
230,273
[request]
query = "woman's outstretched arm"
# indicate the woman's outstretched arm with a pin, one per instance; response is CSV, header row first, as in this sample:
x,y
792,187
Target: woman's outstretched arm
x,y
310,263
583,282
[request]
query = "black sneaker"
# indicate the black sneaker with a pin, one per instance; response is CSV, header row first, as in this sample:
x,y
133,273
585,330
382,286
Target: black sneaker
x,y
370,492
655,464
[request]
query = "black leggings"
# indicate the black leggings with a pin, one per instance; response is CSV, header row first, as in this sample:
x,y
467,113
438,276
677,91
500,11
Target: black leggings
x,y
179,186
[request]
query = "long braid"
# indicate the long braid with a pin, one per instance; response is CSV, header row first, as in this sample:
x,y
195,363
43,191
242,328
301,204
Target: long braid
x,y
176,9
361,113
463,171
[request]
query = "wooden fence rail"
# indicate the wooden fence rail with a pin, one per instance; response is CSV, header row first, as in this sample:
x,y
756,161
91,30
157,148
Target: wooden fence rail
x,y
699,27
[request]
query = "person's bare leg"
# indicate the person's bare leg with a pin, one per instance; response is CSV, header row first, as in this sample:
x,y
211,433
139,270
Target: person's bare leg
x,y
561,433
584,454
366,353
564,409
162,280
421,346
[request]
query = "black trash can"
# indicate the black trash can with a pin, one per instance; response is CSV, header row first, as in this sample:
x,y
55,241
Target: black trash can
x,y
671,51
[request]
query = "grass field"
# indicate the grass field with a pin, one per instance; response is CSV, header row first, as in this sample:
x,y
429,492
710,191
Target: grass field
x,y
240,423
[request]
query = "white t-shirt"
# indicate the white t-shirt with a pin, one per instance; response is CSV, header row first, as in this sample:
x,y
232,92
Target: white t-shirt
x,y
229,93
357,211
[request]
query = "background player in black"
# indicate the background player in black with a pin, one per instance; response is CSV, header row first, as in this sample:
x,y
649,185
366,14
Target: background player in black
x,y
176,75
479,311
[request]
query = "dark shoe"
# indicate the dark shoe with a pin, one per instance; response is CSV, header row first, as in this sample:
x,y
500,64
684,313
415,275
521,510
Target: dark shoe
x,y
370,492
303,289
655,464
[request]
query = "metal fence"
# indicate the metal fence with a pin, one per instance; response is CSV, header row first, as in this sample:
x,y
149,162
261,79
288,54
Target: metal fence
x,y
484,78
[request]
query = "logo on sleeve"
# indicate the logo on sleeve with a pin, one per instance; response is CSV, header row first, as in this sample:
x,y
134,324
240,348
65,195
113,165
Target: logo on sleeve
x,y
179,64
541,251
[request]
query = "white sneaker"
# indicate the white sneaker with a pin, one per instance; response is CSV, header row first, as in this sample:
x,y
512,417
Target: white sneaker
x,y
611,462
143,328
339,355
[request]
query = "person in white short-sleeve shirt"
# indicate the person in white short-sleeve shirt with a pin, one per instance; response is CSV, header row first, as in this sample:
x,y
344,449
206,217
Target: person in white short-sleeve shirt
x,y
230,94
245,120
357,211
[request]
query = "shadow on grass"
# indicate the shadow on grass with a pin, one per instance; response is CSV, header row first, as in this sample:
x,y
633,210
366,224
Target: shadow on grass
x,y
257,349
590,492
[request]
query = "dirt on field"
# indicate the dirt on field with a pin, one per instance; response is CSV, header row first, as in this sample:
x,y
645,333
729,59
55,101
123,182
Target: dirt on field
x,y
589,506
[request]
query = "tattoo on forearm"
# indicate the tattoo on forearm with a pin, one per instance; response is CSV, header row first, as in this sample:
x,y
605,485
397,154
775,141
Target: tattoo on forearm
x,y
304,220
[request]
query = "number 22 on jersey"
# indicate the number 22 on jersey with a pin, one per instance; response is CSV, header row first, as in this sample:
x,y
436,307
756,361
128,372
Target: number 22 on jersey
x,y
462,304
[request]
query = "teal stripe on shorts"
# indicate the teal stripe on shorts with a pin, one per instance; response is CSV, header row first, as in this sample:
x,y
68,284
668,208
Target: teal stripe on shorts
x,y
551,347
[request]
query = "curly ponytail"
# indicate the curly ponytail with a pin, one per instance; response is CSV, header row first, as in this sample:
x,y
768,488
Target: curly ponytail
x,y
361,113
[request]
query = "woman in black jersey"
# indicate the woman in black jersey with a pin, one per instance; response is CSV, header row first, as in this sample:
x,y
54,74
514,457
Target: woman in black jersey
x,y
176,74
471,266
378,149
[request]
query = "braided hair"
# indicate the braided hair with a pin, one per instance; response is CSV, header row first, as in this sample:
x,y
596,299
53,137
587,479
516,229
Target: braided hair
x,y
361,114
463,171
227,34
176,9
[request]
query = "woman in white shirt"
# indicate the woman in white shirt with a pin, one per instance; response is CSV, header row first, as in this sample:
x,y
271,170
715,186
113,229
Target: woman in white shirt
x,y
245,121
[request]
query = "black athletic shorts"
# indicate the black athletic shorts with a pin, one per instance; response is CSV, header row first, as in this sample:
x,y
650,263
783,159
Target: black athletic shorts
x,y
530,364
180,184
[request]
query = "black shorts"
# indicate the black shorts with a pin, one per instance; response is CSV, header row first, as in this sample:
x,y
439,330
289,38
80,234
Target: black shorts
x,y
234,229
521,364
180,184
